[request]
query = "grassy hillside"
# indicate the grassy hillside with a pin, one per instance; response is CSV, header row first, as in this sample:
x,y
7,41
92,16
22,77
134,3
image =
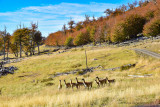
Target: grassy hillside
x,y
31,86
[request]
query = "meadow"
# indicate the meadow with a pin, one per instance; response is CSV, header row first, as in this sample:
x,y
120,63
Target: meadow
x,y
33,83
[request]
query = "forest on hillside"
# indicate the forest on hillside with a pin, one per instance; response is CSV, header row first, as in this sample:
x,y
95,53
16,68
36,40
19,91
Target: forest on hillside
x,y
123,23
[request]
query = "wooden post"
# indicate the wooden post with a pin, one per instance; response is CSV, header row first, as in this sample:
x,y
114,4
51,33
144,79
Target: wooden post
x,y
86,59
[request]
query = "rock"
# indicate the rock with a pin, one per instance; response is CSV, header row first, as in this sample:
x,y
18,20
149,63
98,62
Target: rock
x,y
95,59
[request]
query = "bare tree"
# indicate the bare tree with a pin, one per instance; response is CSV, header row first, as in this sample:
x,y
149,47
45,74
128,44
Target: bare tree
x,y
33,31
64,28
94,18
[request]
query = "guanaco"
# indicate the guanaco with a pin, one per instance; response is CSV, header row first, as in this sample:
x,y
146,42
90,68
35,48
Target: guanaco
x,y
110,81
87,84
102,81
98,84
73,84
79,83
60,85
68,85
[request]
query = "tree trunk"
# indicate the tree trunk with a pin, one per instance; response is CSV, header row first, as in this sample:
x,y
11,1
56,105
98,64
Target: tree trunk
x,y
4,50
8,50
33,47
38,48
20,49
17,50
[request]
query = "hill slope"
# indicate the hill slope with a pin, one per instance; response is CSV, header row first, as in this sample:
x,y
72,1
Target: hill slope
x,y
31,84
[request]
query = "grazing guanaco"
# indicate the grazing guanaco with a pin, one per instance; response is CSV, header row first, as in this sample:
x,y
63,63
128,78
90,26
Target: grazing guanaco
x,y
87,84
73,84
110,81
102,81
60,85
79,83
68,85
98,84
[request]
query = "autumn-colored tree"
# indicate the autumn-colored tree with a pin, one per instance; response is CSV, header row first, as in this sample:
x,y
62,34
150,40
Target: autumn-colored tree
x,y
128,29
79,26
108,12
71,23
21,36
69,41
93,19
87,20
82,38
152,28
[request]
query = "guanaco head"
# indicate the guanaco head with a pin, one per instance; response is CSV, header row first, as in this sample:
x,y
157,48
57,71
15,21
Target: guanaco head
x,y
97,77
64,81
83,80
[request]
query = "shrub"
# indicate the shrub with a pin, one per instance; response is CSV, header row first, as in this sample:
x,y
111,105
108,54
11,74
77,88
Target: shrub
x,y
152,28
69,41
126,67
82,38
76,65
118,34
128,29
92,34
149,15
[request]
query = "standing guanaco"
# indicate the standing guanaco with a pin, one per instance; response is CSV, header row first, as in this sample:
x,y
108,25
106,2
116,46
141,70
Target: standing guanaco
x,y
110,81
102,81
73,84
98,84
68,85
87,84
79,83
60,85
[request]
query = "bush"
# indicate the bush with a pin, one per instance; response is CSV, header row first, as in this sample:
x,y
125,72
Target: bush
x,y
82,38
152,28
126,67
69,41
118,34
149,15
128,29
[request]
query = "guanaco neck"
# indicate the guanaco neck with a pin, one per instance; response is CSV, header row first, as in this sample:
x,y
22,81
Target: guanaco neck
x,y
77,80
60,82
71,81
65,82
84,81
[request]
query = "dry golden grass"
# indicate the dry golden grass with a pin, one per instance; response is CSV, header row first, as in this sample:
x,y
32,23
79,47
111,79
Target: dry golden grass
x,y
28,88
